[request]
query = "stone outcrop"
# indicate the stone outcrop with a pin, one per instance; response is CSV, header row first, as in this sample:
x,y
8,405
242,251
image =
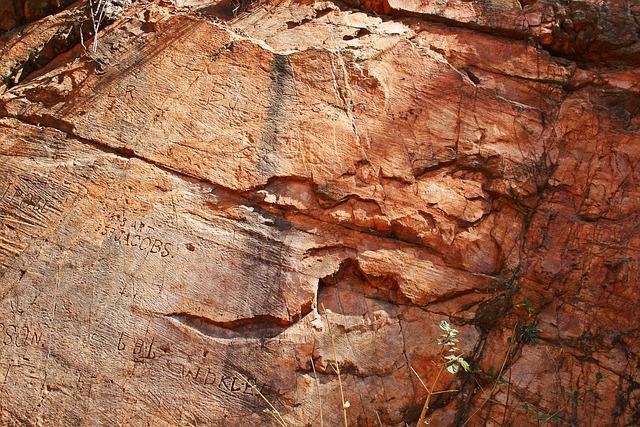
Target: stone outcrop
x,y
228,198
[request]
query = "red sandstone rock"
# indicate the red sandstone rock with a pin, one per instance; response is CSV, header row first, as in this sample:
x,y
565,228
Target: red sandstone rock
x,y
188,212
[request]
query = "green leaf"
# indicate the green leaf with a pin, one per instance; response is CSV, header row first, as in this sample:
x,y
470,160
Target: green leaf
x,y
453,368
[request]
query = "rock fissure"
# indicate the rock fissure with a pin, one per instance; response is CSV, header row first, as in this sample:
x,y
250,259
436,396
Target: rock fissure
x,y
222,203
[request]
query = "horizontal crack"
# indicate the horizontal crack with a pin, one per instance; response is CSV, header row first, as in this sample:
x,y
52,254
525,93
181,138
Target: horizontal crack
x,y
260,326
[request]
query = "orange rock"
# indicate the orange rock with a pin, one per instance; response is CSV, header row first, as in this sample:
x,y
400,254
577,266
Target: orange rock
x,y
202,218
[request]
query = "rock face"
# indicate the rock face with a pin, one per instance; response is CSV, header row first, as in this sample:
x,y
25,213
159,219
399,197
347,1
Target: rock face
x,y
228,198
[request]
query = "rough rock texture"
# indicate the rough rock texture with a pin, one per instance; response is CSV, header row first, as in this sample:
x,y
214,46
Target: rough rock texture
x,y
18,12
186,213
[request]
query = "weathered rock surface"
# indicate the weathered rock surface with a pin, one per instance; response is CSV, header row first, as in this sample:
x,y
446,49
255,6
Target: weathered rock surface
x,y
186,213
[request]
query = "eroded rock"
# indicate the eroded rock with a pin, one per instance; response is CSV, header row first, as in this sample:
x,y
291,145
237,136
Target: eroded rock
x,y
226,199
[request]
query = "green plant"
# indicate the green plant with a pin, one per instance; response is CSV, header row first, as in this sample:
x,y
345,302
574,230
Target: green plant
x,y
526,303
491,372
539,415
510,341
452,362
529,334
575,397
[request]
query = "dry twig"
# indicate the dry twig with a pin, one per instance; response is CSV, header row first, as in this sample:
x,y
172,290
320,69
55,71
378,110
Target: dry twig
x,y
313,366
336,367
274,412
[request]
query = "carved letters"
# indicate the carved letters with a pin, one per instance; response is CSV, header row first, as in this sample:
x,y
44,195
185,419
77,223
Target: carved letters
x,y
137,235
215,378
141,348
22,199
19,336
208,376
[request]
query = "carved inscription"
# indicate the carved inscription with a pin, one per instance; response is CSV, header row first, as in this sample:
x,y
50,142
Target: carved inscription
x,y
84,384
19,335
215,378
137,234
23,198
140,348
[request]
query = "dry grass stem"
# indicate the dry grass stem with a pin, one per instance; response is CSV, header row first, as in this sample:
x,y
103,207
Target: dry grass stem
x,y
429,395
274,412
445,391
313,366
336,367
506,404
378,417
420,379
493,389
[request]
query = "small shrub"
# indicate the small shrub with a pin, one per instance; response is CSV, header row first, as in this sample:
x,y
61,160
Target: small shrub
x,y
452,362
529,334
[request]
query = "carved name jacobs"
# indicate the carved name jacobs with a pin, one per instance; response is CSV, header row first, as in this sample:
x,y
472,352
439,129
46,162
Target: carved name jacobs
x,y
137,235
